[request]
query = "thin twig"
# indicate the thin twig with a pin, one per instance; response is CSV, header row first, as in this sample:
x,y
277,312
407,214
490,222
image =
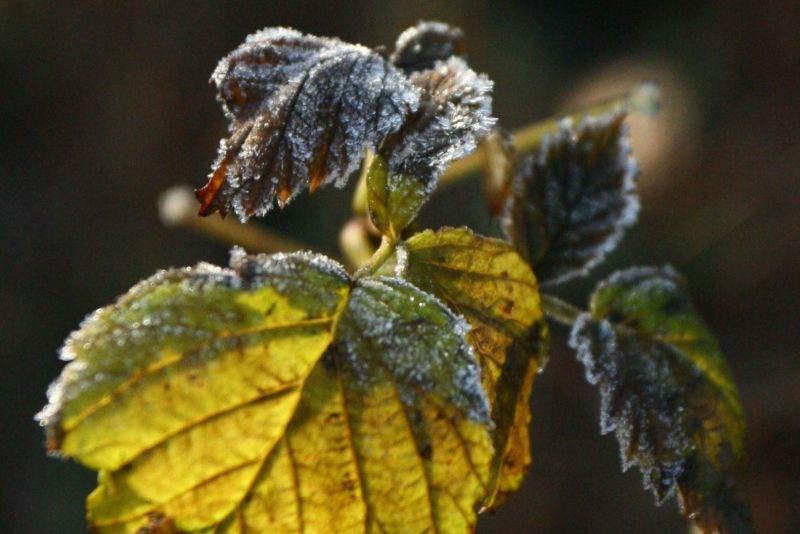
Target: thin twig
x,y
177,207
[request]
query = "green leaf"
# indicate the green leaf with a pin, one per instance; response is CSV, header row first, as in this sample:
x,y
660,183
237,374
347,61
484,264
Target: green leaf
x,y
487,282
666,392
278,395
573,198
393,199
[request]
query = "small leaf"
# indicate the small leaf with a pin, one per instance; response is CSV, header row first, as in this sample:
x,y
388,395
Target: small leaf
x,y
574,197
454,114
419,47
666,392
276,396
487,282
301,110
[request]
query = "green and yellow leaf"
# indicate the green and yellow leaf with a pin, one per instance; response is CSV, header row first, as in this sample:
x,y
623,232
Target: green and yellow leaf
x,y
276,396
488,283
667,393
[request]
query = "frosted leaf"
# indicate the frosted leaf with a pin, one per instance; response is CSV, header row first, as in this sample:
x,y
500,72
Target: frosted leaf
x,y
573,198
666,393
183,310
454,114
301,109
420,46
392,327
487,282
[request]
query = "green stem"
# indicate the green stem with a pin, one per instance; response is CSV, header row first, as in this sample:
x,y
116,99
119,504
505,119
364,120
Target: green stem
x,y
383,253
559,310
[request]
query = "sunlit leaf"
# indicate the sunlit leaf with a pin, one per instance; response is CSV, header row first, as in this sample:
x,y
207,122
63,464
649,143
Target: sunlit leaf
x,y
276,396
420,46
487,282
666,392
301,110
454,114
573,198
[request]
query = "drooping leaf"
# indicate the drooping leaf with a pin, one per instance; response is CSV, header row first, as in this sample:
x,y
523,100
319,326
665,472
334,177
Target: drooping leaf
x,y
573,198
454,114
420,46
666,392
487,282
276,396
301,110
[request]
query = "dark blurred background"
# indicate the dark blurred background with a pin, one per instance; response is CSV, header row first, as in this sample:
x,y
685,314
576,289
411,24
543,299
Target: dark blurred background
x,y
104,105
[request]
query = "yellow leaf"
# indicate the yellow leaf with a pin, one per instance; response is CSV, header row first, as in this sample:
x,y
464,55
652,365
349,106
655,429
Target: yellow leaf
x,y
276,396
487,282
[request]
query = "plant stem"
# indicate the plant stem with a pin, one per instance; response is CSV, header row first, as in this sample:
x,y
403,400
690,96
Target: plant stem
x,y
559,310
177,207
379,258
643,98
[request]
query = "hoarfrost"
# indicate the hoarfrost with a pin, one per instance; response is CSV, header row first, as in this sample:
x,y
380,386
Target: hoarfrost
x,y
455,113
419,343
641,400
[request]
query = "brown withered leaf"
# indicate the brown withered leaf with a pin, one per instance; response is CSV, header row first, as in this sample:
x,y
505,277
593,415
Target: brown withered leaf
x,y
666,393
302,109
574,197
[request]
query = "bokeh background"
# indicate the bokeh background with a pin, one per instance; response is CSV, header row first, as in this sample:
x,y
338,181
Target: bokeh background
x,y
103,105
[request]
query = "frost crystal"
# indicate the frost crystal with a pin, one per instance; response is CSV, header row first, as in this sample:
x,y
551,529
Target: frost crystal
x,y
392,327
573,199
455,113
641,400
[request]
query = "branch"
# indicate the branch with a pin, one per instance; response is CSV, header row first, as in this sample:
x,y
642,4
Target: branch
x,y
177,207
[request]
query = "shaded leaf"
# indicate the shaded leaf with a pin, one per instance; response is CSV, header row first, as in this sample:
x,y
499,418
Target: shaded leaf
x,y
666,392
301,110
487,282
454,114
420,46
573,198
278,395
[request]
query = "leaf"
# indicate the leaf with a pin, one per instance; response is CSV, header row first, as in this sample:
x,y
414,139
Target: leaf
x,y
574,197
454,114
487,282
301,110
420,46
410,380
278,395
666,392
